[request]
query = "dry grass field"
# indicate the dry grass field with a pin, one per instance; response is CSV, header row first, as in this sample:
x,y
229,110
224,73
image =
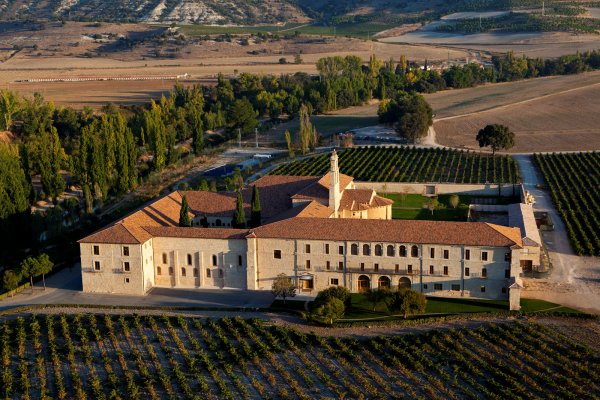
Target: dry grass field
x,y
548,114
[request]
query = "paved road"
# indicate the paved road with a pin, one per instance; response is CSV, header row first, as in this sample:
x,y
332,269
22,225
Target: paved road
x,y
574,280
65,288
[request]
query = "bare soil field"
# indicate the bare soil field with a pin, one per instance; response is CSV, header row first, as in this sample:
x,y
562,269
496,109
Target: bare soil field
x,y
84,49
546,114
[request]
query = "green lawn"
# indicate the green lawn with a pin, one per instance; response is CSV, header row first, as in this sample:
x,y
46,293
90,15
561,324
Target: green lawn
x,y
410,206
362,309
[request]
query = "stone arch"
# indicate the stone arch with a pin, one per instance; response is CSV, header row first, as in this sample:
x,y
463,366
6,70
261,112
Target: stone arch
x,y
378,250
390,250
218,222
384,283
402,251
354,249
404,283
364,283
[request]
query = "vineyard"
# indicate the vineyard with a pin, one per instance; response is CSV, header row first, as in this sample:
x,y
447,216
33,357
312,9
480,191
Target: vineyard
x,y
574,182
151,357
409,164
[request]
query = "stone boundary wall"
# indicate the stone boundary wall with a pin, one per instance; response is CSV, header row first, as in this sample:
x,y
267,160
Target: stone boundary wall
x,y
444,188
488,208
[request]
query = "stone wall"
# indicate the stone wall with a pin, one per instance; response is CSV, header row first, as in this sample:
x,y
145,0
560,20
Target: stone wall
x,y
442,188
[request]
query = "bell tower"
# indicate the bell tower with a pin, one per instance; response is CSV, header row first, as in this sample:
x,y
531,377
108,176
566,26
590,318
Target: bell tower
x,y
334,184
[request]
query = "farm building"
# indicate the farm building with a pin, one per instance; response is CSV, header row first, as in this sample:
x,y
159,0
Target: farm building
x,y
320,231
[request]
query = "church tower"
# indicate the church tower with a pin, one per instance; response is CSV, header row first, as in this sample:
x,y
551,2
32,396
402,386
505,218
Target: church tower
x,y
334,184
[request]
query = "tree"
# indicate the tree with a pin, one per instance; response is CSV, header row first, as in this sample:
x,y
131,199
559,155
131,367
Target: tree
x,y
255,209
497,137
290,146
283,287
334,292
454,200
28,269
184,213
433,204
10,280
14,186
43,266
298,59
331,310
308,140
239,216
9,106
241,115
375,296
408,302
414,116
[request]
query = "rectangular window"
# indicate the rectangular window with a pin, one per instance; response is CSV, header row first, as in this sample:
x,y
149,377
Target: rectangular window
x,y
125,251
507,273
182,271
307,264
277,254
97,265
328,265
467,271
240,263
195,273
431,270
341,265
446,254
189,259
96,250
307,249
376,267
432,251
341,250
484,256
484,272
467,254
126,267
507,257
425,286
335,281
126,280
362,266
214,260
158,271
503,290
438,286
208,272
445,270
164,258
326,248
409,269
397,268
483,289
170,271
456,288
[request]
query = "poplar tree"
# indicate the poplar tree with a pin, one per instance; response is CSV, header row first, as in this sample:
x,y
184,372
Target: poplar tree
x,y
184,213
255,216
14,186
239,216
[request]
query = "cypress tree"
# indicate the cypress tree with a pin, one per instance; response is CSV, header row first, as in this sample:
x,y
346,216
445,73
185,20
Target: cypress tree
x,y
239,217
255,215
184,213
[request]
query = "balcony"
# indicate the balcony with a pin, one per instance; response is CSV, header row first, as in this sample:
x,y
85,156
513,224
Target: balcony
x,y
477,275
90,270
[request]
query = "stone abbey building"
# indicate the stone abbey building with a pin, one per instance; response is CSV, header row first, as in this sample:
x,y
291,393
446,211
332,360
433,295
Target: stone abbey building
x,y
320,231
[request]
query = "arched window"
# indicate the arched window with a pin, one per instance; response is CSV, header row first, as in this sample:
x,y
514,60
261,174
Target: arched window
x,y
364,283
404,283
354,249
182,271
390,251
402,251
218,222
414,251
158,271
378,250
366,250
384,283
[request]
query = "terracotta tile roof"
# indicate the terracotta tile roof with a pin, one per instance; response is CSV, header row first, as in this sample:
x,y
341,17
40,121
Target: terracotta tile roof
x,y
213,204
114,234
319,190
315,210
204,233
398,231
362,199
276,192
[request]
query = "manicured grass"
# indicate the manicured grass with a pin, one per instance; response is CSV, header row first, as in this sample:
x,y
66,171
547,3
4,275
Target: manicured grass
x,y
410,206
363,309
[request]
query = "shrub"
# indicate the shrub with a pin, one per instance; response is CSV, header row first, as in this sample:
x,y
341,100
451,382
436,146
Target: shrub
x,y
335,292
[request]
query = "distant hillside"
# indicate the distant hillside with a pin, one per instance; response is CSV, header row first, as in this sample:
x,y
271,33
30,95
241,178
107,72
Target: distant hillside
x,y
243,12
